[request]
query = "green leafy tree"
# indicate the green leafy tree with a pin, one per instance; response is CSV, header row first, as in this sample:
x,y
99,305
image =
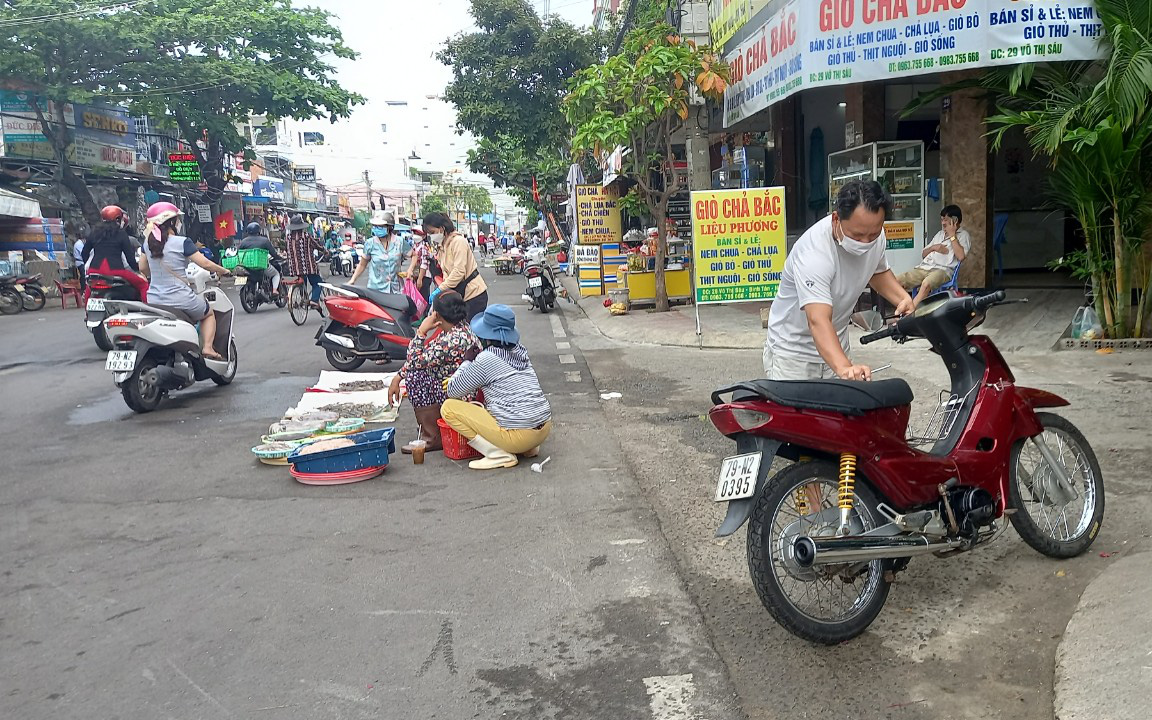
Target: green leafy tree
x,y
63,52
210,65
639,99
432,204
508,79
1093,121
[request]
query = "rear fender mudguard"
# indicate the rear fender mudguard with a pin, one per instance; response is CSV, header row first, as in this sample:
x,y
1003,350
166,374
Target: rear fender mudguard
x,y
740,510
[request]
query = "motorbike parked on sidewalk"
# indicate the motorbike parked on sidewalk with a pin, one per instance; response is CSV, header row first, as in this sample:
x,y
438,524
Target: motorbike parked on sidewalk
x,y
366,325
828,533
156,350
102,288
21,292
540,284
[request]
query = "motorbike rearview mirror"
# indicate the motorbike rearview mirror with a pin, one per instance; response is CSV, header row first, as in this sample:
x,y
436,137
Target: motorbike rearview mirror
x,y
868,320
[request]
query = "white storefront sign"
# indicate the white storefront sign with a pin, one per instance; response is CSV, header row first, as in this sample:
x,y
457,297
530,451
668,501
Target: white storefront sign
x,y
587,255
839,42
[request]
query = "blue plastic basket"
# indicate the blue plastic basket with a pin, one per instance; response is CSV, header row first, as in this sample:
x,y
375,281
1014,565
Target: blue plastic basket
x,y
372,449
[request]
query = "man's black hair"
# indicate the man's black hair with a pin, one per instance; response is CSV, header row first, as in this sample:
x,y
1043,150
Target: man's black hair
x,y
954,212
862,192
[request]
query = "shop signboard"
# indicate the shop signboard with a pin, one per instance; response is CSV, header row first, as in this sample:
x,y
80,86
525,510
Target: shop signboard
x,y
105,136
739,244
597,215
183,167
726,17
838,42
306,184
586,255
269,187
901,235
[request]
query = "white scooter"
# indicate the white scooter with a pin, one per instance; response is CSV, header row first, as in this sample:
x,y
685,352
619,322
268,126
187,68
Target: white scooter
x,y
157,350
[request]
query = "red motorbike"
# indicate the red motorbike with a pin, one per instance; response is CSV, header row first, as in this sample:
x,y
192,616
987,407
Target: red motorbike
x,y
366,325
829,532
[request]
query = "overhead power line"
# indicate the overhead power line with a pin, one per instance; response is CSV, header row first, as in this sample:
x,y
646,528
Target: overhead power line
x,y
72,14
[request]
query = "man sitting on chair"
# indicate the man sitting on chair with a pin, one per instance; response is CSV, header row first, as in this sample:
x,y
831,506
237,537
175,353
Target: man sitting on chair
x,y
947,251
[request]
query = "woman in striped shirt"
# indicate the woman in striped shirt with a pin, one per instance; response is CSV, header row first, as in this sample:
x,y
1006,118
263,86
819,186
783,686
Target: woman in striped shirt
x,y
517,418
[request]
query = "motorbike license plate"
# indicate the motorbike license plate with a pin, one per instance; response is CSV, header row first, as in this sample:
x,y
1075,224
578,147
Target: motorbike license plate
x,y
241,281
95,305
535,282
121,361
19,287
738,477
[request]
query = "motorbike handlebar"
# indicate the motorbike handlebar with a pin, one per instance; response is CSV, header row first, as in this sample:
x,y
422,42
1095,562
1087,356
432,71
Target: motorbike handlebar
x,y
986,301
878,335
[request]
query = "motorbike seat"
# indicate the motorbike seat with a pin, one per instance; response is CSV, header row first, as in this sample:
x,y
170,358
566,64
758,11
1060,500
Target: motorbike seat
x,y
392,301
847,397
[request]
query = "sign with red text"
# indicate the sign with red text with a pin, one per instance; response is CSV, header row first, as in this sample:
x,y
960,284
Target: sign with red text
x,y
739,242
837,42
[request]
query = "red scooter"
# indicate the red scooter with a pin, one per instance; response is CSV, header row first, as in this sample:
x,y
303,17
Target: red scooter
x,y
366,325
829,532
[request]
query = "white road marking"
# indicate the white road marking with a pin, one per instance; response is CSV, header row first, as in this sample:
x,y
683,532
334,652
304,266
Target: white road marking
x,y
563,346
567,359
410,612
574,376
670,697
557,326
629,541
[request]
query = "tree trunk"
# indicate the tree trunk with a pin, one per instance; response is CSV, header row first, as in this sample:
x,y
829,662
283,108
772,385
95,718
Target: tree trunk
x,y
57,132
1123,285
661,206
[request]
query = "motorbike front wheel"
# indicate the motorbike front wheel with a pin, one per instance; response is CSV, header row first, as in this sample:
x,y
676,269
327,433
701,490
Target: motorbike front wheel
x,y
34,298
229,374
141,393
11,301
280,297
1050,522
827,604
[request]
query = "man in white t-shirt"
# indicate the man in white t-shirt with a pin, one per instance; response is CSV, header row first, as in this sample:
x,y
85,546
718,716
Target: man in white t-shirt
x,y
947,250
824,275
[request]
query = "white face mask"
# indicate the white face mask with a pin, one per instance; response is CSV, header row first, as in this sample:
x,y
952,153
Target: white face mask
x,y
436,238
851,246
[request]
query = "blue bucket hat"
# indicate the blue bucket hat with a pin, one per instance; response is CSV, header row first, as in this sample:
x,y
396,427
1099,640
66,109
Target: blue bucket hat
x,y
497,323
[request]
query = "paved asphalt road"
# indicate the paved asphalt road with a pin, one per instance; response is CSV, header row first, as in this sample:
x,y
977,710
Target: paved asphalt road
x,y
152,569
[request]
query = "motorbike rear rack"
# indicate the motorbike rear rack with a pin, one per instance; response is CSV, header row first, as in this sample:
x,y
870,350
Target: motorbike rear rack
x,y
939,422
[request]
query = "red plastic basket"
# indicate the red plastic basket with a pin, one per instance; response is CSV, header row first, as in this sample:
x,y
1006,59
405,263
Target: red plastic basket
x,y
455,446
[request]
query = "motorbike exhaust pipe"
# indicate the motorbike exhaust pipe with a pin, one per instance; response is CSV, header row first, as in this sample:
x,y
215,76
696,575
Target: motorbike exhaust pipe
x,y
809,551
340,340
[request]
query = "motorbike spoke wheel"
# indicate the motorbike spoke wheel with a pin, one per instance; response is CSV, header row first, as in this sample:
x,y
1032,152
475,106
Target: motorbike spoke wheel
x,y
34,298
11,301
298,304
140,394
1045,518
824,604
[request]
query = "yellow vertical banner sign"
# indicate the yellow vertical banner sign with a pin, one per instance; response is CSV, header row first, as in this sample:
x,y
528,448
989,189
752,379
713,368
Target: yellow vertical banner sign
x,y
739,243
597,215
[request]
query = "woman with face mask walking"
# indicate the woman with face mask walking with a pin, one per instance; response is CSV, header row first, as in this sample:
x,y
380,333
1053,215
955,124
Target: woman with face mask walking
x,y
458,262
383,256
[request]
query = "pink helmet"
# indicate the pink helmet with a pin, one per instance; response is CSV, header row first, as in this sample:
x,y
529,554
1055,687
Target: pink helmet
x,y
161,212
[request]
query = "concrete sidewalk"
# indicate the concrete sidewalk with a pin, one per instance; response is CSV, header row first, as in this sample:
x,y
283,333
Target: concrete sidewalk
x,y
1033,326
1104,663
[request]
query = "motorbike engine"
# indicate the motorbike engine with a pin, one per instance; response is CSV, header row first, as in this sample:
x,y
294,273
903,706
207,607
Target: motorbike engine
x,y
974,508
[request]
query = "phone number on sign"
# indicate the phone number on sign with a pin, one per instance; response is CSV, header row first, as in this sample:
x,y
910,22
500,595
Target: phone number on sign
x,y
942,61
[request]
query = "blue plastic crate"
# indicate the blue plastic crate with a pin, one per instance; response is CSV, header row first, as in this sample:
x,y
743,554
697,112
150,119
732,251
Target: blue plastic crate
x,y
372,449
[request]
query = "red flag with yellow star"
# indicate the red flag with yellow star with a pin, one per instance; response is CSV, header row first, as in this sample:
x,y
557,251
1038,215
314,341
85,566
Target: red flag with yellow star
x,y
225,225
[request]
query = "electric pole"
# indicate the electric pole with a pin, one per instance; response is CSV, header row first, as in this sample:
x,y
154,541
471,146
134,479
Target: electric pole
x,y
368,187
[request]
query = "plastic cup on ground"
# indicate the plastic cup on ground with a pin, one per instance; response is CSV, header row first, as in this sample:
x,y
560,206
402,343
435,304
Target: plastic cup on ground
x,y
418,451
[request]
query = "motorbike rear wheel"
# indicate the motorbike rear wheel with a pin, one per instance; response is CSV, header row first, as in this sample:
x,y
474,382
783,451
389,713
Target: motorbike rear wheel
x,y
827,605
280,297
1048,525
340,361
11,301
100,335
34,298
139,394
248,299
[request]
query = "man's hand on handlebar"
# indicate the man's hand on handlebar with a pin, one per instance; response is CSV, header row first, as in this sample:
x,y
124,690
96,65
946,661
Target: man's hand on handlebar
x,y
854,372
906,307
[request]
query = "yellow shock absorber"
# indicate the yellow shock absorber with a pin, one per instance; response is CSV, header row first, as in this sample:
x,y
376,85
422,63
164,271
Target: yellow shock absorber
x,y
801,496
846,492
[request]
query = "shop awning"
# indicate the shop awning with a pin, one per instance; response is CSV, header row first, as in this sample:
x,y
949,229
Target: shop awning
x,y
15,205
